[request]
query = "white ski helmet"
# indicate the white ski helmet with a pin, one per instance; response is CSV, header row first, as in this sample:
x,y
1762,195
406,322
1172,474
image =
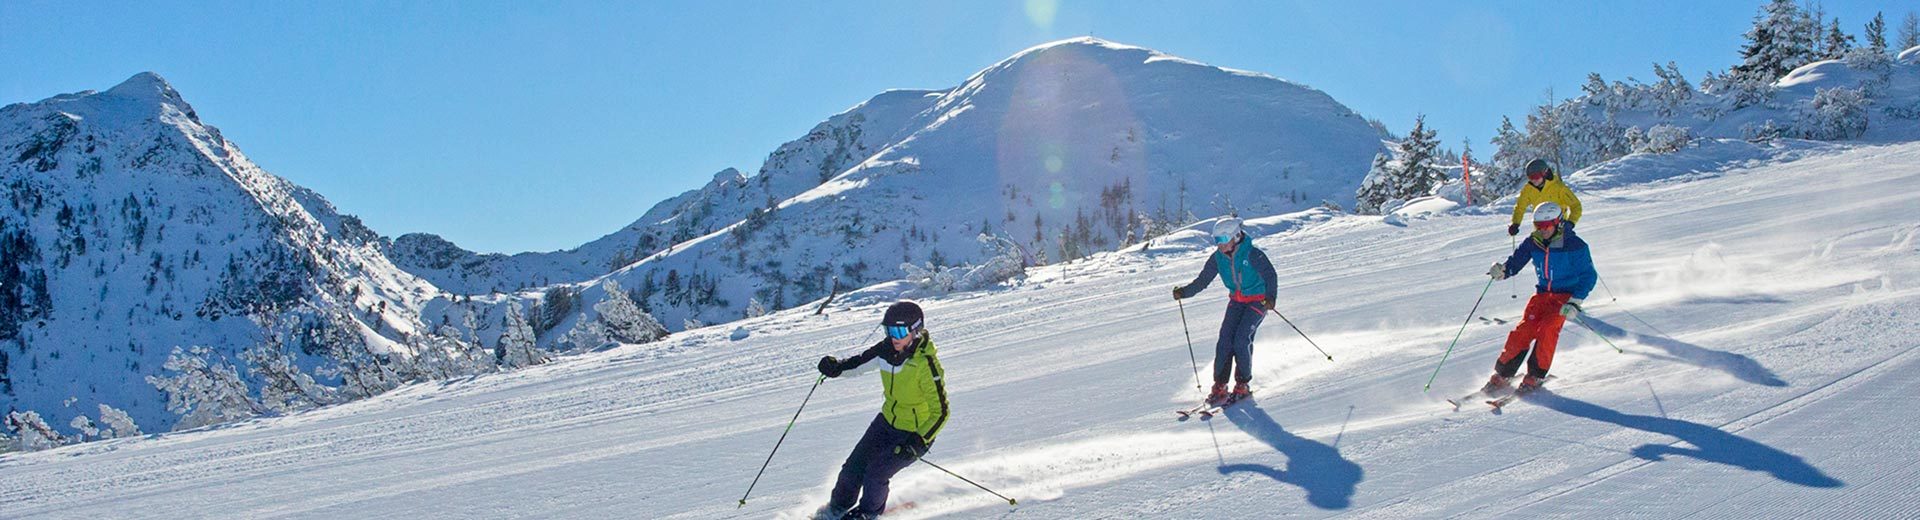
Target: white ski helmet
x,y
1546,212
1225,230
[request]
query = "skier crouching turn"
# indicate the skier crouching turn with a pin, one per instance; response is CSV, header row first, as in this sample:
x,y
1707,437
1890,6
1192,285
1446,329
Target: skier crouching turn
x,y
1248,276
914,411
1566,275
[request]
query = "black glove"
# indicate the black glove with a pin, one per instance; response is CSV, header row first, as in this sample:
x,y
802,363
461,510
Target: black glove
x,y
911,448
830,367
1513,229
1268,304
1176,293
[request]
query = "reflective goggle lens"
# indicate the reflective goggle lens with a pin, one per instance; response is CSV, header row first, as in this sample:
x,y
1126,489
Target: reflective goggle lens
x,y
1222,240
898,331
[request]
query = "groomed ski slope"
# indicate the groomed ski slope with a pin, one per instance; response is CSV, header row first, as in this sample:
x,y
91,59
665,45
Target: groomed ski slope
x,y
1769,367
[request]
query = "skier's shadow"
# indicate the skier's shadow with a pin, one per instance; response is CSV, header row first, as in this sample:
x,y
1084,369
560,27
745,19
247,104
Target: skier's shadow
x,y
1710,444
1742,367
1328,478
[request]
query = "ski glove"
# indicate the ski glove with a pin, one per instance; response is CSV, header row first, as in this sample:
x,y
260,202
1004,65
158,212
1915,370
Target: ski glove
x,y
911,447
830,367
1176,293
1498,271
1513,229
1268,304
1572,309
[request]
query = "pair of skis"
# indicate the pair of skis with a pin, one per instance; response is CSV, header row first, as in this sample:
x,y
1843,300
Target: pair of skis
x,y
1498,398
1208,410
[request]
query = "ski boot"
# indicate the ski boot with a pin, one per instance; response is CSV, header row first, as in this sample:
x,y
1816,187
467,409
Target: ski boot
x,y
1219,394
828,512
1240,392
1529,384
1496,385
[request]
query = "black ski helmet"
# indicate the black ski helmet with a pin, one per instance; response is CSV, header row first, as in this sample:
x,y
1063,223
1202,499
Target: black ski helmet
x,y
1539,167
904,314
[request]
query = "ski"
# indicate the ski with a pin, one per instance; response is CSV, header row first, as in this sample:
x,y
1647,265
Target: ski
x,y
1207,410
1517,394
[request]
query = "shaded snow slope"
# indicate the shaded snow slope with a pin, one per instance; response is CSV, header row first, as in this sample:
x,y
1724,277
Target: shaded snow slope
x,y
130,227
1765,309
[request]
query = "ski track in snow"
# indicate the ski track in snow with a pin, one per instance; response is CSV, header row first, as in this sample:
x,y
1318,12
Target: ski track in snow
x,y
1765,314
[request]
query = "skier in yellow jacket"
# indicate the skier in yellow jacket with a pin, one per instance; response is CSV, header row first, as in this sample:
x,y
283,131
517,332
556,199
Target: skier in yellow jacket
x,y
1544,185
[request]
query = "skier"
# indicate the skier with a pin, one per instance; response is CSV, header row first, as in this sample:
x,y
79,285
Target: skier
x,y
914,411
1566,276
1250,281
1544,185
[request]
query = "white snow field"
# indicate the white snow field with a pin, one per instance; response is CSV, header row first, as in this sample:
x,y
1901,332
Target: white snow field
x,y
1765,303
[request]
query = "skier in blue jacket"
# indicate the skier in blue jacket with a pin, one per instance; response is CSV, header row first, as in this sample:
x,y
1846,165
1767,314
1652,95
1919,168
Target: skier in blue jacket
x,y
1565,269
1248,276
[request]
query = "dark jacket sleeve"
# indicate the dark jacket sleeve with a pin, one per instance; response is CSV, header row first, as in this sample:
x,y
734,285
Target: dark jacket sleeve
x,y
1265,268
1520,256
1200,283
862,358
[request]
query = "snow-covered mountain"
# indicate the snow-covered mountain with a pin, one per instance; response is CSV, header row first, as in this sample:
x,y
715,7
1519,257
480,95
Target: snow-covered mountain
x,y
830,148
1762,295
1067,148
131,228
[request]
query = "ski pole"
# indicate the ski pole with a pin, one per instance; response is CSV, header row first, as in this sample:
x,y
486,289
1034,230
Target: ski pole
x,y
1010,501
783,438
1512,244
1603,284
1316,346
1603,337
1190,357
1456,335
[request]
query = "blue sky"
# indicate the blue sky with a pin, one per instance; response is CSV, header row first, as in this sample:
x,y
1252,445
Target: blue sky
x,y
516,126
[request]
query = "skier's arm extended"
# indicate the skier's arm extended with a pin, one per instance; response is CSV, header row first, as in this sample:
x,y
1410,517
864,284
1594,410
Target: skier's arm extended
x,y
831,367
1200,283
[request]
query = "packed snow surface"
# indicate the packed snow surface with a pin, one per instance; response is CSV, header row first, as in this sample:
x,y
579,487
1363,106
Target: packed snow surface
x,y
1764,296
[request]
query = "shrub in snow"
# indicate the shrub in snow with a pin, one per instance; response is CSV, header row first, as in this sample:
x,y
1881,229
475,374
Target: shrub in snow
x,y
203,391
1004,262
284,388
1834,114
117,423
1662,138
755,309
85,426
31,433
1868,60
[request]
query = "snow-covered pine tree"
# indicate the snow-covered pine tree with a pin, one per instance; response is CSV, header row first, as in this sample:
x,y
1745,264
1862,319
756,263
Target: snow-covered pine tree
x,y
203,389
517,347
1877,33
118,424
1909,32
625,321
1838,42
31,433
1779,41
1410,173
1510,157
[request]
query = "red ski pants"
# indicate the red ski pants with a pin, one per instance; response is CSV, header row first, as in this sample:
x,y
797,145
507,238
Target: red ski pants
x,y
1538,329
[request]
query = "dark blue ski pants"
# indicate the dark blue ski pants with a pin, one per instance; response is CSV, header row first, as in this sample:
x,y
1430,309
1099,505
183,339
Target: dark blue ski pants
x,y
1236,342
871,466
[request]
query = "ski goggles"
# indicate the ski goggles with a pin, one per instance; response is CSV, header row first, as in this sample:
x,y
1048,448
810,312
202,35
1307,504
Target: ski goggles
x,y
899,331
1222,239
1545,225
1536,175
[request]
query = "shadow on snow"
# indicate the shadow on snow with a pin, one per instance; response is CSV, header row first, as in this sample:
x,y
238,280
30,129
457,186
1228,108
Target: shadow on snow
x,y
1710,444
1328,478
1742,367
